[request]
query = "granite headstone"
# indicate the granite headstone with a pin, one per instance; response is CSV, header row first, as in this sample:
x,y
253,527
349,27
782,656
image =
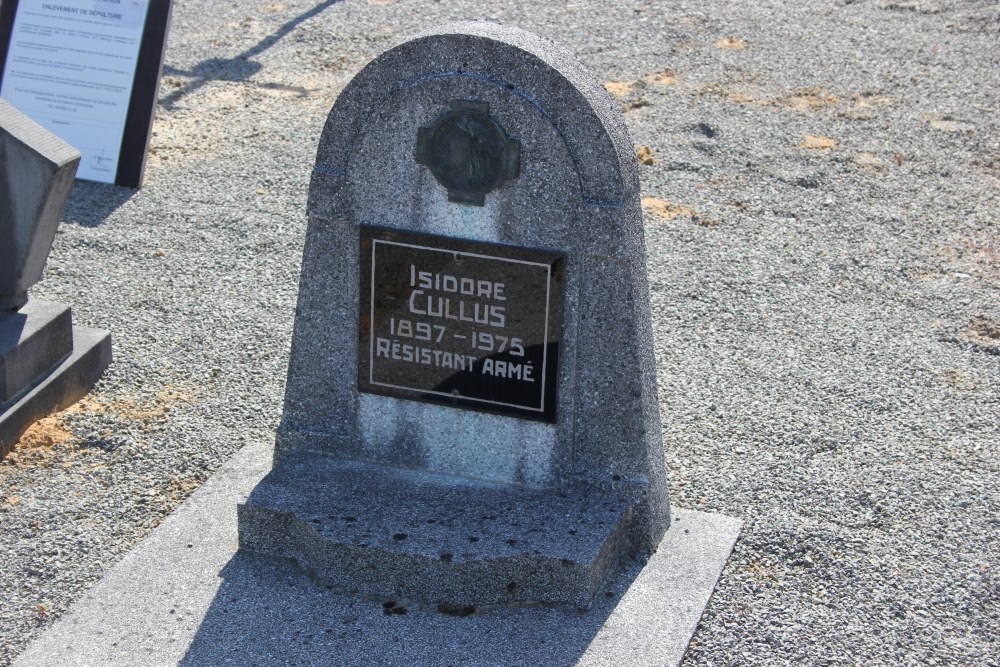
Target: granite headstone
x,y
471,413
45,362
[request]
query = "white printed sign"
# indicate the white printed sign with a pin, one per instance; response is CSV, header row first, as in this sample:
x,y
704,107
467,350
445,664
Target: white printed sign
x,y
71,66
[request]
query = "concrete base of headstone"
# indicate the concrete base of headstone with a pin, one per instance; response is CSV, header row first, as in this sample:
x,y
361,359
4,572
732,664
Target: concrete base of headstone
x,y
185,596
33,341
46,364
375,530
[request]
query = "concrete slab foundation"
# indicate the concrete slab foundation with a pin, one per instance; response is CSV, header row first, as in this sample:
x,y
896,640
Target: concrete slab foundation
x,y
184,596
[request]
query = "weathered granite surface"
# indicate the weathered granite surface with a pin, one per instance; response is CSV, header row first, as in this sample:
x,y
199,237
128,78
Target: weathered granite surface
x,y
423,536
577,193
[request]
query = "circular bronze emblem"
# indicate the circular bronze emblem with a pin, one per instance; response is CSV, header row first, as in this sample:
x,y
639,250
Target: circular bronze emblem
x,y
468,152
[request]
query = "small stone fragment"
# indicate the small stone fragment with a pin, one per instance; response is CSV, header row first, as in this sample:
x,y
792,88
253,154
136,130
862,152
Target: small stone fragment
x,y
818,143
730,43
645,155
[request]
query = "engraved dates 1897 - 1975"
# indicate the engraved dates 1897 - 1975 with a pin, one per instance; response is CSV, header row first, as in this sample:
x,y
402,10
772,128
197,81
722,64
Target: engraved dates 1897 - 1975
x,y
468,152
461,323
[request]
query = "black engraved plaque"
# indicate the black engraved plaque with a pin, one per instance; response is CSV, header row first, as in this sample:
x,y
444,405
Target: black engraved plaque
x,y
462,323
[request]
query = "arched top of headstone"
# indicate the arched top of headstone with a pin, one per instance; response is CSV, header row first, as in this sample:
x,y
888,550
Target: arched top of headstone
x,y
547,77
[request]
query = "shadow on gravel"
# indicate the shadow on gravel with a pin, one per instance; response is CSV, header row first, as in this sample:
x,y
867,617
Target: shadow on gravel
x,y
89,204
267,612
240,68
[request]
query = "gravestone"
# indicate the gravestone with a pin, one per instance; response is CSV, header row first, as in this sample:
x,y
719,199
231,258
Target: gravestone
x,y
471,414
46,363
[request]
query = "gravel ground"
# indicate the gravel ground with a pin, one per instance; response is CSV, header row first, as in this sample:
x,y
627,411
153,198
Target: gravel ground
x,y
824,255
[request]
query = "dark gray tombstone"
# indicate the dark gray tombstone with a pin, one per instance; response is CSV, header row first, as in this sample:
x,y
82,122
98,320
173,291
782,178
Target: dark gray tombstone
x,y
45,362
471,414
